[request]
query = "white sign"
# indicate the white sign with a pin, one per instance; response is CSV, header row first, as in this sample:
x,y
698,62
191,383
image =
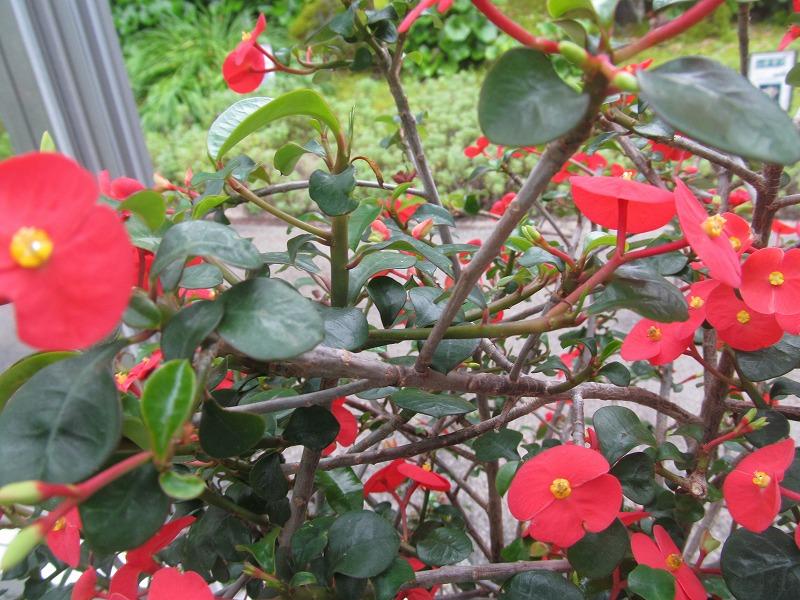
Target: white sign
x,y
768,72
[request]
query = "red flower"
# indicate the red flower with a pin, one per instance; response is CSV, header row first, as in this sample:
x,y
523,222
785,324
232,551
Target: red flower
x,y
782,228
696,300
422,229
664,554
85,587
64,259
416,593
424,477
380,230
752,489
595,162
707,237
789,37
478,148
244,67
738,196
404,209
414,13
119,188
500,206
348,426
601,199
392,476
737,324
628,518
64,539
139,372
771,281
668,153
660,343
169,584
565,491
738,232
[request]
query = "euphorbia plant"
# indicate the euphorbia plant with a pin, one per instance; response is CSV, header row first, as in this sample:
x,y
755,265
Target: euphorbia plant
x,y
203,424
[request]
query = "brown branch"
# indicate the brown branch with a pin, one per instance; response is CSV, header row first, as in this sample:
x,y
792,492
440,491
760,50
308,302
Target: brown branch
x,y
790,412
495,508
459,573
764,209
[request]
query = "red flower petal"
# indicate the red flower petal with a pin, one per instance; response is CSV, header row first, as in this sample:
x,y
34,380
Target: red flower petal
x,y
558,524
660,343
386,479
599,199
737,324
125,582
646,552
64,540
716,252
169,584
738,231
246,76
142,557
84,588
348,425
771,280
696,299
597,502
426,479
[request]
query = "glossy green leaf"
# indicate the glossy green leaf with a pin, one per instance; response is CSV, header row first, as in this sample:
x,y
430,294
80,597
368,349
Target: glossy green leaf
x,y
717,106
540,584
451,353
444,546
286,157
142,313
21,371
434,405
388,583
616,373
360,220
310,539
201,277
776,429
505,475
202,238
761,565
331,191
523,101
264,550
560,8
644,292
493,445
636,473
208,203
167,400
777,360
342,488
375,263
361,544
125,513
45,427
619,430
267,478
345,328
652,584
596,555
149,205
314,427
224,433
181,486
227,122
186,330
230,131
389,297
268,319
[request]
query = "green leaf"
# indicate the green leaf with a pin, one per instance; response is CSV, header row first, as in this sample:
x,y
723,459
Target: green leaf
x,y
361,544
224,433
652,584
497,444
225,124
167,400
771,362
25,368
181,486
761,565
268,319
636,473
433,405
345,328
226,133
331,191
523,101
200,277
186,330
314,427
540,584
616,373
342,488
619,430
375,263
505,475
388,583
776,429
605,10
267,478
715,105
793,76
451,353
63,423
360,219
286,157
264,550
596,555
149,205
208,203
644,292
310,539
389,297
444,546
534,257
203,238
142,313
125,513
560,8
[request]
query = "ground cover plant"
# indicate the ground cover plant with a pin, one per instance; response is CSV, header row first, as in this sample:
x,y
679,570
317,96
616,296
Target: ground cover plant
x,y
385,411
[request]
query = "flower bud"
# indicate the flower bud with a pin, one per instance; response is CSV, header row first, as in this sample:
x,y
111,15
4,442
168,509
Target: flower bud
x,y
750,415
422,229
21,546
708,543
530,233
572,52
626,82
759,423
22,492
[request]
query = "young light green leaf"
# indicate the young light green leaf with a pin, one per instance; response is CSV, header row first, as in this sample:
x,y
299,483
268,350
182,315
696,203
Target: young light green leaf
x,y
167,402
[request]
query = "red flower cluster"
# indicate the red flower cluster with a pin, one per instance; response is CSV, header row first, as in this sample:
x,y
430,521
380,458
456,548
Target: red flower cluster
x,y
499,207
565,491
64,258
245,66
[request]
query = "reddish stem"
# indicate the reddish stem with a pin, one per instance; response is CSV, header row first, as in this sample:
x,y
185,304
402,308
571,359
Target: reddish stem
x,y
790,494
558,253
514,29
675,27
401,507
657,250
622,226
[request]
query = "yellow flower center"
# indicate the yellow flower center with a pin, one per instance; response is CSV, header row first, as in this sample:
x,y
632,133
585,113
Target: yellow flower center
x,y
696,302
560,488
654,333
713,226
735,242
627,175
776,278
60,524
674,562
743,317
427,467
30,247
761,479
246,35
